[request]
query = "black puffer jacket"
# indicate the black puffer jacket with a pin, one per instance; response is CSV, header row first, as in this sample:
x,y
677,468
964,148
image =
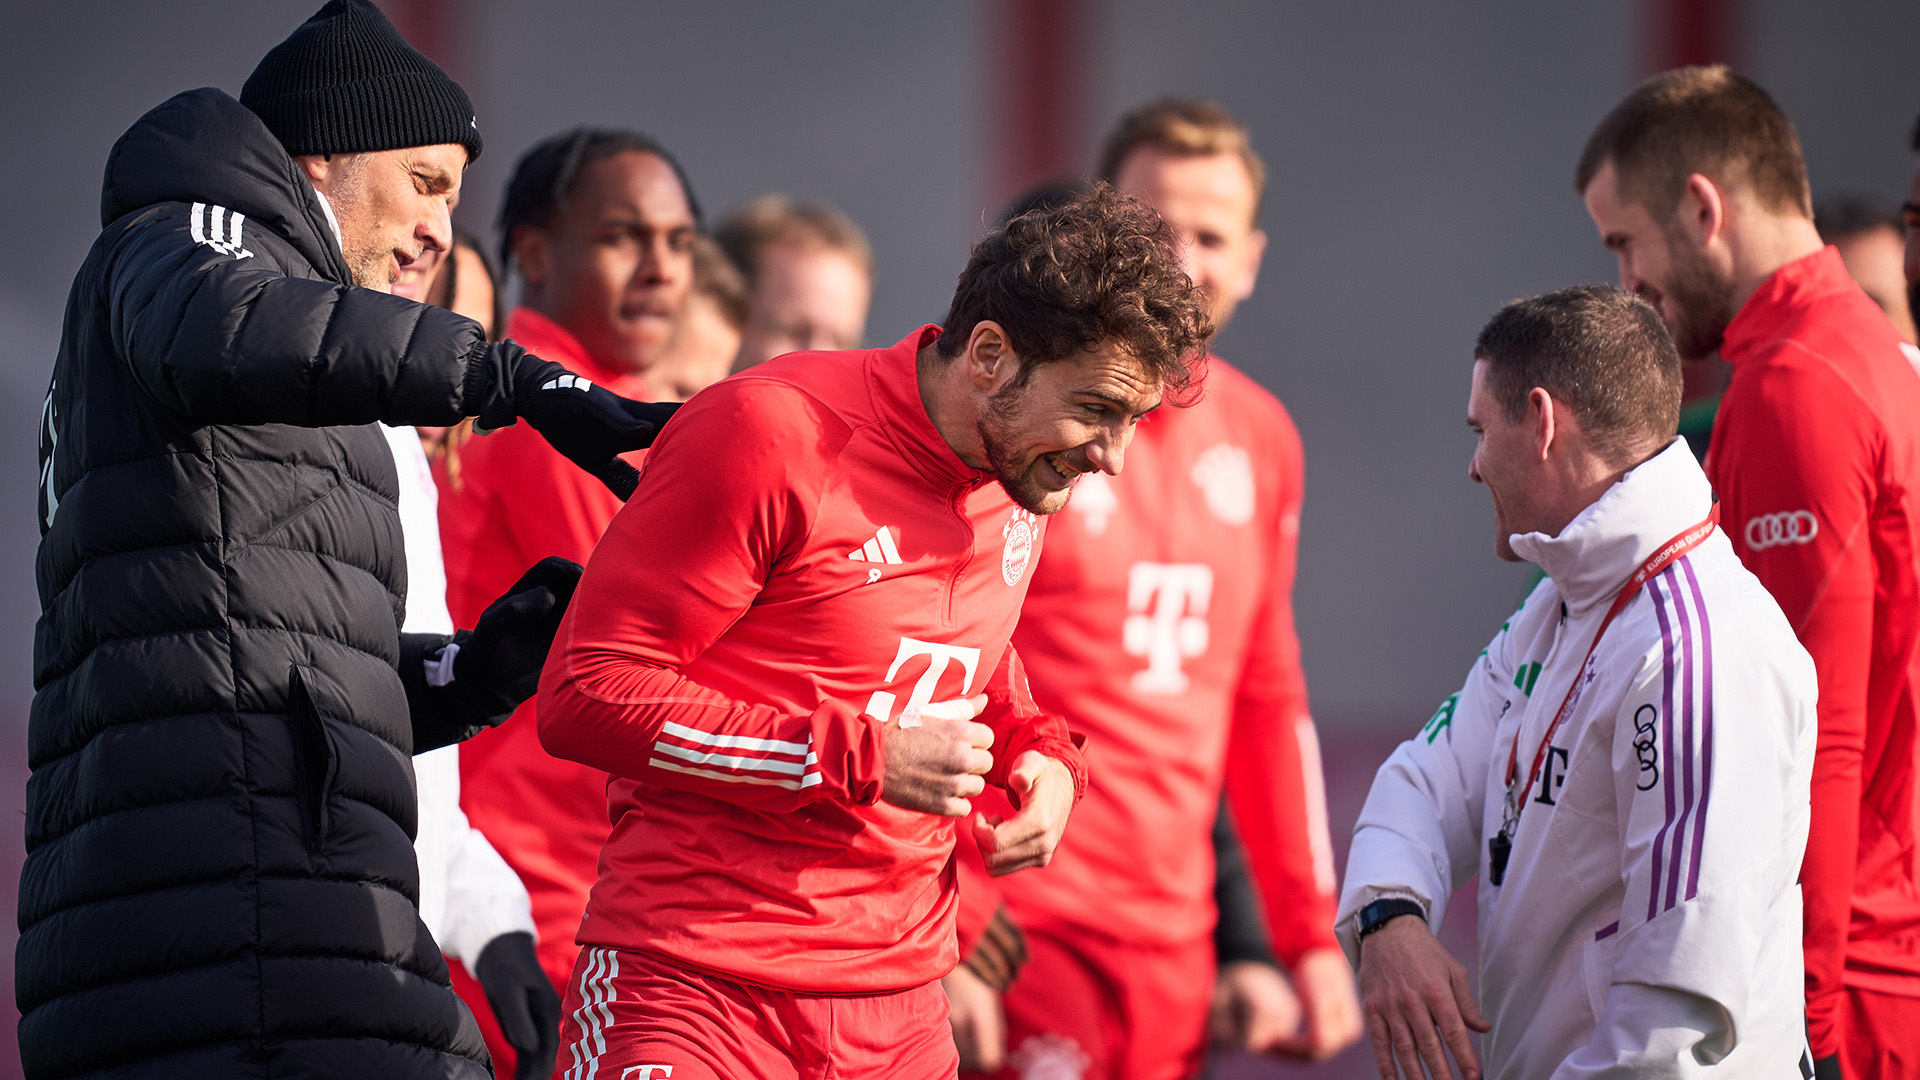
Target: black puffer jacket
x,y
220,879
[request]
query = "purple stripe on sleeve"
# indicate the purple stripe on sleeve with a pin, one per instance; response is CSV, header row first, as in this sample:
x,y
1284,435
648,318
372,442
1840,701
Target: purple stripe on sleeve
x,y
1608,931
1688,681
1706,728
1666,719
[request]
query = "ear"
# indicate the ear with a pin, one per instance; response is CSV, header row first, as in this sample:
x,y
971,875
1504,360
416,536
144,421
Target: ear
x,y
317,168
1256,250
1542,418
989,356
533,253
1701,212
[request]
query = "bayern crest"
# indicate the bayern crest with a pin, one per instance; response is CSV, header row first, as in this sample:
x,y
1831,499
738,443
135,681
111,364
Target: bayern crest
x,y
1225,475
1019,548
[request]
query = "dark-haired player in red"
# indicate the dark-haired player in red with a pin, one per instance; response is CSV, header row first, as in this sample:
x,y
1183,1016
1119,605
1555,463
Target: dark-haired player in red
x,y
1161,625
781,647
1696,182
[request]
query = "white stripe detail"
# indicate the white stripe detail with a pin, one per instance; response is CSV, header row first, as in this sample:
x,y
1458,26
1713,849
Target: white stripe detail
x,y
193,223
736,742
1314,790
872,551
233,241
593,1016
731,761
802,784
217,226
885,536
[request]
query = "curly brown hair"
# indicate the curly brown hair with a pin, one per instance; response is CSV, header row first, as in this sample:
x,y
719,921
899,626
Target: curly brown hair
x,y
1098,269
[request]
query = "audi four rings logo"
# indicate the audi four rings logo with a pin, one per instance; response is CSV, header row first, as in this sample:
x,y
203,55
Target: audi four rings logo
x,y
1773,530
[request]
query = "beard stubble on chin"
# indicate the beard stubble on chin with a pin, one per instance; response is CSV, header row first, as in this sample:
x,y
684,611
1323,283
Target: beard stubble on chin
x,y
1699,302
369,262
996,428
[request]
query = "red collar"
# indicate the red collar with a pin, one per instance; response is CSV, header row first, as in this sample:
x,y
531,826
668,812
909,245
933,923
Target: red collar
x,y
1786,292
893,381
550,341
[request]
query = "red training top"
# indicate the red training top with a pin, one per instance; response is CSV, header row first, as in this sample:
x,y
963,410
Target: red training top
x,y
1161,623
1816,456
805,553
518,502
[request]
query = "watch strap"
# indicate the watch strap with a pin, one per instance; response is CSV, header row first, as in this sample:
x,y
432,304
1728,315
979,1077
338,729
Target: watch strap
x,y
1380,912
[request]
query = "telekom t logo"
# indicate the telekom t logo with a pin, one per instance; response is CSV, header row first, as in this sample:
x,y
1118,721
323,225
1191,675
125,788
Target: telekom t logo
x,y
647,1072
1168,623
880,705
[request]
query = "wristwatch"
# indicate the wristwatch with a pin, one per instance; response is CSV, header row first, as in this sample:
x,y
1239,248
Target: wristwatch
x,y
1380,912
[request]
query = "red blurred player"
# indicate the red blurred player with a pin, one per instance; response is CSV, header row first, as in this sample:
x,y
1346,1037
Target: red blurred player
x,y
601,226
1696,182
1161,624
781,645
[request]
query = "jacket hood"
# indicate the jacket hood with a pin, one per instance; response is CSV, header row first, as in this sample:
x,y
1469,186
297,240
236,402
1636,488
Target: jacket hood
x,y
203,146
1592,557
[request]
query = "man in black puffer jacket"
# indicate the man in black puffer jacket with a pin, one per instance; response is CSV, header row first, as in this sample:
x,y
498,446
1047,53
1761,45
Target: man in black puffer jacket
x,y
220,878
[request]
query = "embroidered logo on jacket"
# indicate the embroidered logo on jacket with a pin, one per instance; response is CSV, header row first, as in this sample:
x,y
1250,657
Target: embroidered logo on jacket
x,y
1225,476
218,228
1019,550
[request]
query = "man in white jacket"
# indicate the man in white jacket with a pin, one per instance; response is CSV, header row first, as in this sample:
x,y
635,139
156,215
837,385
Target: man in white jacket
x,y
1625,772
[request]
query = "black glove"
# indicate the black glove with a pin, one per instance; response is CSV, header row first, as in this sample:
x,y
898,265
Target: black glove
x,y
498,665
589,424
1001,951
524,1002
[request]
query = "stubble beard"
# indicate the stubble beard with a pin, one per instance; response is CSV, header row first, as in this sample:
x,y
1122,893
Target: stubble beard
x,y
369,263
1699,302
995,428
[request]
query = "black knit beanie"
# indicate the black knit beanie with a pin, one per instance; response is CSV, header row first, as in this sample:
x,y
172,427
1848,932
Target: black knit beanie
x,y
345,81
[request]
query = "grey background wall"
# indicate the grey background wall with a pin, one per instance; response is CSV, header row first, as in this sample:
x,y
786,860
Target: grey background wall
x,y
1421,158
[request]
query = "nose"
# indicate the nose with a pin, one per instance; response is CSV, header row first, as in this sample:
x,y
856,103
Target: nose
x,y
656,261
1473,468
1629,280
1108,453
436,233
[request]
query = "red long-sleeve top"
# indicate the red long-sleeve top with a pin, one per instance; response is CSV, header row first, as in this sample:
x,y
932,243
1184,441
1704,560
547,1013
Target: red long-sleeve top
x,y
805,558
519,501
1816,457
1161,625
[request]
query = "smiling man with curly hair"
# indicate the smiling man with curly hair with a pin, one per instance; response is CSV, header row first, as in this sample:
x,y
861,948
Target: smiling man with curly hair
x,y
791,653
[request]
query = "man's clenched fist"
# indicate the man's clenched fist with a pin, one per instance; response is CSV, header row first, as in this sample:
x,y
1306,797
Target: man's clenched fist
x,y
936,758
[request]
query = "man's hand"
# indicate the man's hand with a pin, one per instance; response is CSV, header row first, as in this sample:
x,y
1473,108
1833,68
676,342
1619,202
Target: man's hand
x,y
1253,1007
937,757
1324,984
590,425
1409,987
1042,790
498,665
979,1025
523,1000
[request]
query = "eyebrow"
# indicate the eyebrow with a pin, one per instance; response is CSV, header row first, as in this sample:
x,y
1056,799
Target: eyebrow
x,y
1117,401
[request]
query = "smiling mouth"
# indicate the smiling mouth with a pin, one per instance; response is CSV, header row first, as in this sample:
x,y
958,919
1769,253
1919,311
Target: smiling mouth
x,y
1065,473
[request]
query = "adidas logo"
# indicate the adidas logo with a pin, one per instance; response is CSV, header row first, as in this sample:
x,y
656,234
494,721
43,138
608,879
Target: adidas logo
x,y
218,228
566,382
880,549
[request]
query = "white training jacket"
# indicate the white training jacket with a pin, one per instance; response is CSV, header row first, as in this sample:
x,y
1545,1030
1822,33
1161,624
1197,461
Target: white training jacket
x,y
468,893
1649,924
